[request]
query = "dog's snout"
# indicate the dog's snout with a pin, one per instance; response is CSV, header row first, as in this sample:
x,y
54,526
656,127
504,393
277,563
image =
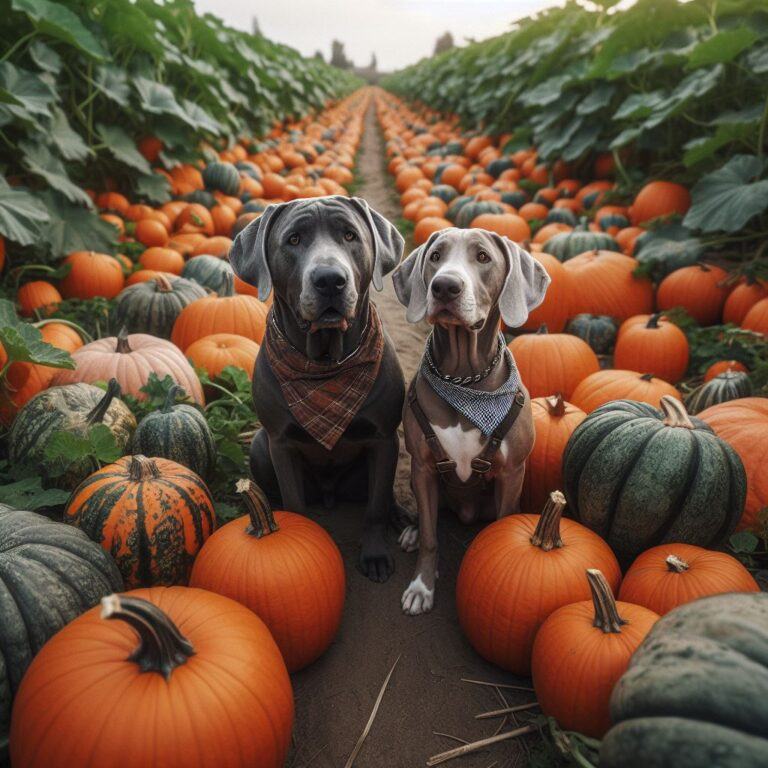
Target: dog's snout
x,y
329,280
446,287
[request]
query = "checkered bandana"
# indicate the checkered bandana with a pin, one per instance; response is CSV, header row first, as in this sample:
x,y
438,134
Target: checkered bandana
x,y
486,410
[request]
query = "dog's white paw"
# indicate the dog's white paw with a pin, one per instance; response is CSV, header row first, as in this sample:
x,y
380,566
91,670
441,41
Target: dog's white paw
x,y
418,598
409,538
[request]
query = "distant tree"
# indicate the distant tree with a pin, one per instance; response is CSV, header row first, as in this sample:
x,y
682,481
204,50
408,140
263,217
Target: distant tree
x,y
444,43
338,57
319,56
255,28
374,63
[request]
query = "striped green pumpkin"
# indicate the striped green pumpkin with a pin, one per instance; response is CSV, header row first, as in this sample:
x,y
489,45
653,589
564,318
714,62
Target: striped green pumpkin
x,y
153,306
444,191
599,331
561,216
566,245
209,271
223,177
730,385
640,477
177,432
471,211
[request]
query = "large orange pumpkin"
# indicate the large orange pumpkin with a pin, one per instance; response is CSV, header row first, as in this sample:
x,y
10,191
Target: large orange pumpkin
x,y
663,577
38,296
659,198
518,571
742,298
700,290
581,651
554,311
757,318
510,225
659,348
90,275
151,515
172,677
219,350
602,387
285,568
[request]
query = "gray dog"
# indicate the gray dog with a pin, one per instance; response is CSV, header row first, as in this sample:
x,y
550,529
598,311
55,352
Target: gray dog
x,y
327,385
467,422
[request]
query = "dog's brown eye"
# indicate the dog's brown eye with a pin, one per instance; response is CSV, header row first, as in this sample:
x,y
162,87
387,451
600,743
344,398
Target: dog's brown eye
x,y
294,239
434,256
349,235
483,257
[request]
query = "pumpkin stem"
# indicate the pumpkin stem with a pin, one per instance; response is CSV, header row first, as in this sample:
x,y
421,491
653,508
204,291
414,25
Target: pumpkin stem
x,y
547,533
142,468
653,320
677,564
259,509
606,612
163,284
647,377
100,410
170,397
161,646
122,342
556,405
543,328
675,413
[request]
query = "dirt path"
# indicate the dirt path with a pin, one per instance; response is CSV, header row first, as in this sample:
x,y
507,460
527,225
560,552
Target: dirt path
x,y
335,696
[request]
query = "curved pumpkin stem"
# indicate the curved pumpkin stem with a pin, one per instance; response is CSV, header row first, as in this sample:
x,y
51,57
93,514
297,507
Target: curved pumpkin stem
x,y
161,647
647,377
122,342
676,564
174,391
100,410
543,328
547,533
163,284
653,320
675,413
259,509
607,616
555,405
141,468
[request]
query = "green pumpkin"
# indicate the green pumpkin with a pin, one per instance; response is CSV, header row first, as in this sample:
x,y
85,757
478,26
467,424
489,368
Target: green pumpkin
x,y
471,211
177,432
667,249
730,385
456,205
695,694
72,408
499,165
517,199
639,477
444,191
254,206
208,271
613,220
599,331
223,177
566,245
249,169
50,573
201,197
561,216
153,306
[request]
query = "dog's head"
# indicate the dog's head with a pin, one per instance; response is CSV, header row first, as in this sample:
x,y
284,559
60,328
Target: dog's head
x,y
459,276
320,255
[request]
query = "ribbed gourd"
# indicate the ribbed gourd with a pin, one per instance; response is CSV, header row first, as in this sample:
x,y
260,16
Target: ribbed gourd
x,y
566,245
208,271
730,385
223,177
599,331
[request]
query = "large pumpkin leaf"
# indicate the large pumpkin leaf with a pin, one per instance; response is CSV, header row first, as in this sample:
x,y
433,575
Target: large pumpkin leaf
x,y
28,493
21,214
725,45
39,160
702,148
113,83
726,199
159,99
757,60
153,187
31,94
23,343
45,57
122,147
598,98
670,247
74,228
69,142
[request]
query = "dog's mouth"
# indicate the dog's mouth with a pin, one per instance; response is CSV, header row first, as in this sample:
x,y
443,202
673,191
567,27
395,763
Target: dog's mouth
x,y
445,318
329,319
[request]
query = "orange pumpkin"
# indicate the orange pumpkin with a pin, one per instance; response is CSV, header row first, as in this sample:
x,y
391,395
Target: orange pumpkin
x,y
61,334
724,366
215,352
151,515
162,260
756,319
659,348
285,568
700,290
663,577
38,296
657,199
554,311
427,227
508,224
92,274
742,298
196,674
602,387
517,572
151,233
581,651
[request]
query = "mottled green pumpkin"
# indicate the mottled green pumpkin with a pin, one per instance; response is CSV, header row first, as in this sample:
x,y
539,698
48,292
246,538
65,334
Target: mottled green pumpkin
x,y
599,331
613,220
496,167
517,198
201,197
454,209
152,306
444,191
695,694
179,433
50,573
566,245
639,477
471,211
254,206
72,408
223,177
730,385
208,271
561,216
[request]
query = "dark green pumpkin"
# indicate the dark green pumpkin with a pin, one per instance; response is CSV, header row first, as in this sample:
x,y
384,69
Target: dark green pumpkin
x,y
72,408
639,477
517,198
613,220
471,211
223,177
249,169
177,432
695,694
599,331
201,197
444,191
153,306
730,385
50,573
667,249
456,205
208,271
496,167
254,206
561,216
566,245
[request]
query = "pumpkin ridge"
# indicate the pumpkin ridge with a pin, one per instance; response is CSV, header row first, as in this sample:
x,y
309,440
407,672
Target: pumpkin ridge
x,y
189,501
144,558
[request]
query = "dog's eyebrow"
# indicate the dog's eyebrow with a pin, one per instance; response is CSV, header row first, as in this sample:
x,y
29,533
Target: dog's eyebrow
x,y
297,220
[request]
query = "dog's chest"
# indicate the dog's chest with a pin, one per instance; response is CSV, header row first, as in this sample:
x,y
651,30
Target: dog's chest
x,y
462,443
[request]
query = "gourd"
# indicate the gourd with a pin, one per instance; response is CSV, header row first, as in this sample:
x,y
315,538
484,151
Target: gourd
x,y
208,271
730,385
223,177
565,245
599,331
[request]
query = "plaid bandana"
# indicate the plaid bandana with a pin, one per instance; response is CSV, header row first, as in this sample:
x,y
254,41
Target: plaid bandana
x,y
324,398
486,410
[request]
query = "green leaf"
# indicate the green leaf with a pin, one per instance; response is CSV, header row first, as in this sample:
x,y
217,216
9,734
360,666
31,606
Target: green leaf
x,y
722,47
200,118
69,142
74,228
103,444
122,147
639,105
21,215
668,248
726,199
113,83
745,116
32,92
598,98
24,343
757,60
159,99
45,57
153,187
58,21
744,542
704,147
28,493
37,158
64,448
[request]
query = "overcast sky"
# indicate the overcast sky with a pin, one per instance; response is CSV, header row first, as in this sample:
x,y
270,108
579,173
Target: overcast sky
x,y
398,31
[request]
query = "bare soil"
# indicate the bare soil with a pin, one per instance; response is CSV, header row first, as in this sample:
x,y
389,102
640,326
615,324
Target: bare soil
x,y
426,696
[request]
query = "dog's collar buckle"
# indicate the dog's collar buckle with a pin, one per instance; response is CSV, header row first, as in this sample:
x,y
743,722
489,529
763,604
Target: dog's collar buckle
x,y
445,466
481,466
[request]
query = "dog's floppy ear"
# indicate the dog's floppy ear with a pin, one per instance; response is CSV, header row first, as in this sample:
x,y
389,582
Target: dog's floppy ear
x,y
525,284
388,243
248,254
409,282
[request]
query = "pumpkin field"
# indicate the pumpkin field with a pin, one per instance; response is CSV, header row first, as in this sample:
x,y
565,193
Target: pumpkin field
x,y
158,608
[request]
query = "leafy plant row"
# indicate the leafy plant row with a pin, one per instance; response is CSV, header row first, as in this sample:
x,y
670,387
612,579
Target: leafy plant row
x,y
82,83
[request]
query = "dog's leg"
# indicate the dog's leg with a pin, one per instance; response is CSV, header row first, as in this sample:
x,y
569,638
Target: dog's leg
x,y
507,489
419,597
375,560
290,477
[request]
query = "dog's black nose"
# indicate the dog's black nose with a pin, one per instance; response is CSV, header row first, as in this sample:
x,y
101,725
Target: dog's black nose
x,y
446,287
329,281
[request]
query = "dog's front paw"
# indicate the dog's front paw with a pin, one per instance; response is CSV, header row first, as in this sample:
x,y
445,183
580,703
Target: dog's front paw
x,y
375,562
418,598
409,538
